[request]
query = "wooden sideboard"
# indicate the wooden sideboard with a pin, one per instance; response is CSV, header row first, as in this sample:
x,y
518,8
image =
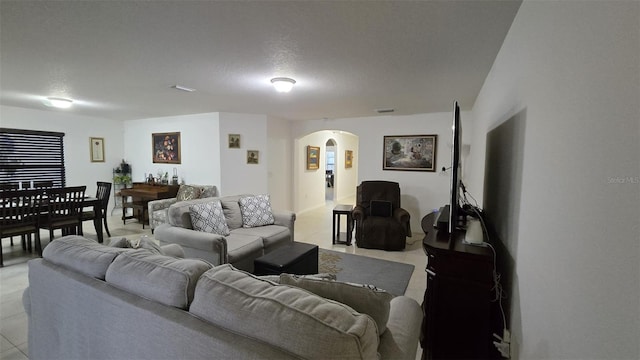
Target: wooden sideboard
x,y
138,196
457,302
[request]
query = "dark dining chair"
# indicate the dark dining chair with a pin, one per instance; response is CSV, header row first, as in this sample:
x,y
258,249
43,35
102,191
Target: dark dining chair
x,y
64,210
103,193
45,184
8,187
19,212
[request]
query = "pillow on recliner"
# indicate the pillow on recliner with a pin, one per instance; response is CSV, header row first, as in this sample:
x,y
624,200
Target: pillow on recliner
x,y
381,208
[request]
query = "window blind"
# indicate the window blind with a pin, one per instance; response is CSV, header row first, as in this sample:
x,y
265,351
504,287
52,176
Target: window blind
x,y
29,155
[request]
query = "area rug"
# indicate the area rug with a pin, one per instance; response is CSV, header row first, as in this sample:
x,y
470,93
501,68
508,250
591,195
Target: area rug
x,y
387,275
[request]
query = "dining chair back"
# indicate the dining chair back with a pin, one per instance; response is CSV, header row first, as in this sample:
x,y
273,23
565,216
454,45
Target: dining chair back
x,y
103,193
64,210
19,211
9,186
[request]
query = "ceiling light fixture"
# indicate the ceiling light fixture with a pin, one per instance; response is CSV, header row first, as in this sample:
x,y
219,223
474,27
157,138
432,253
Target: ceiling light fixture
x,y
59,103
283,84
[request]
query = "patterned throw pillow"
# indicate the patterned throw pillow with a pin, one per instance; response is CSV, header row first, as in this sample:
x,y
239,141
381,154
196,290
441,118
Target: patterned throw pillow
x,y
187,192
208,217
256,211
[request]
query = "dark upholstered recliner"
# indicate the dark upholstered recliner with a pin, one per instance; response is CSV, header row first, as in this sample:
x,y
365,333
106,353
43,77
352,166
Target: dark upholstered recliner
x,y
380,221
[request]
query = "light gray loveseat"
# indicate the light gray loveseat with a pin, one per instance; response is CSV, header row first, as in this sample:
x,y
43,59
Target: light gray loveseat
x,y
89,301
240,248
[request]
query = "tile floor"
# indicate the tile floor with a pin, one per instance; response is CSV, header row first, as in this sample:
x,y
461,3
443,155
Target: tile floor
x,y
311,227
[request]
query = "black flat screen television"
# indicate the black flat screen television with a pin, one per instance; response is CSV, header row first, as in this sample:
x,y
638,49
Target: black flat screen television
x,y
456,148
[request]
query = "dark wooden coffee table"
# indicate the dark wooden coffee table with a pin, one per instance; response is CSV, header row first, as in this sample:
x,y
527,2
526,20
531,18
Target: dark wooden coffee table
x,y
295,258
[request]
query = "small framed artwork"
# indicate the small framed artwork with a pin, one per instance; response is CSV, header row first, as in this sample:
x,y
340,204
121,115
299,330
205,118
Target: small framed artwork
x,y
348,159
253,157
313,157
410,152
166,147
234,141
96,148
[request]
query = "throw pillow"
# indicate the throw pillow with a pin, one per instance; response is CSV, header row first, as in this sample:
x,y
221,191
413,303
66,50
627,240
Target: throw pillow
x,y
209,217
187,192
256,211
365,299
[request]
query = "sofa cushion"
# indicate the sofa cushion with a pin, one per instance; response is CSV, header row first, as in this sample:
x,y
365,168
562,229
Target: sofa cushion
x,y
232,212
286,317
160,278
209,217
81,254
365,299
272,236
256,211
187,192
243,246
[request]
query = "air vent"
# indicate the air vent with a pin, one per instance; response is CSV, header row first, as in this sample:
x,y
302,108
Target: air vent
x,y
385,111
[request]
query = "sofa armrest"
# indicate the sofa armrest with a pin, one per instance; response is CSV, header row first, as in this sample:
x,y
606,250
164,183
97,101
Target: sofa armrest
x,y
400,341
213,244
358,213
161,204
285,218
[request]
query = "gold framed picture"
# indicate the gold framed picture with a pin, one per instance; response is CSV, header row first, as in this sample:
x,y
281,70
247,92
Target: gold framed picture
x,y
253,157
234,141
348,159
96,148
313,157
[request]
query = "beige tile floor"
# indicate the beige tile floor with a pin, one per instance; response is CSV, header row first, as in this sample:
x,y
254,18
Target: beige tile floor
x,y
310,227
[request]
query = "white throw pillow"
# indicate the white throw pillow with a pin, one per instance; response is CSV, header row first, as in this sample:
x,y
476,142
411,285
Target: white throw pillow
x,y
209,217
256,211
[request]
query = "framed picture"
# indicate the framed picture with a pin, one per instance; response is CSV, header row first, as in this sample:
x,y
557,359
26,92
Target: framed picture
x,y
313,157
410,152
348,159
166,148
234,141
253,157
96,147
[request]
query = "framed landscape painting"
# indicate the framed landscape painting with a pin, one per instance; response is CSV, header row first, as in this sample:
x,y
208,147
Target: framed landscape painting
x,y
166,147
410,152
313,157
348,159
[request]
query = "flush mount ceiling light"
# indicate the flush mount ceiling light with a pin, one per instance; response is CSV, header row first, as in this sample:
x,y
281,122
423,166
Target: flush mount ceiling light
x,y
59,103
283,84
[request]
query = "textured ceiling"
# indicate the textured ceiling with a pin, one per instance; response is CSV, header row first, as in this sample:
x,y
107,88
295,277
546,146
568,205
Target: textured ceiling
x,y
119,59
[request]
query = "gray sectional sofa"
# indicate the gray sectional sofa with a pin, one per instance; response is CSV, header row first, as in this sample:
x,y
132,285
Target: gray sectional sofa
x,y
89,301
239,248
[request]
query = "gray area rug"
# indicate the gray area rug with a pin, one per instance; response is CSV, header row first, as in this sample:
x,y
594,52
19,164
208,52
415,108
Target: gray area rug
x,y
387,275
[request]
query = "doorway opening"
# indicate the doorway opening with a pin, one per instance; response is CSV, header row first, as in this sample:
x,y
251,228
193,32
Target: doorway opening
x,y
330,170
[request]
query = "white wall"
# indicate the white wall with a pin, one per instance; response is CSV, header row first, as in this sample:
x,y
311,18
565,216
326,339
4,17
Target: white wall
x,y
238,177
199,151
421,191
280,160
78,129
567,82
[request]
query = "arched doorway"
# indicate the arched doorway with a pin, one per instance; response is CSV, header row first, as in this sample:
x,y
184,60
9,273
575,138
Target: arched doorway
x,y
330,170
